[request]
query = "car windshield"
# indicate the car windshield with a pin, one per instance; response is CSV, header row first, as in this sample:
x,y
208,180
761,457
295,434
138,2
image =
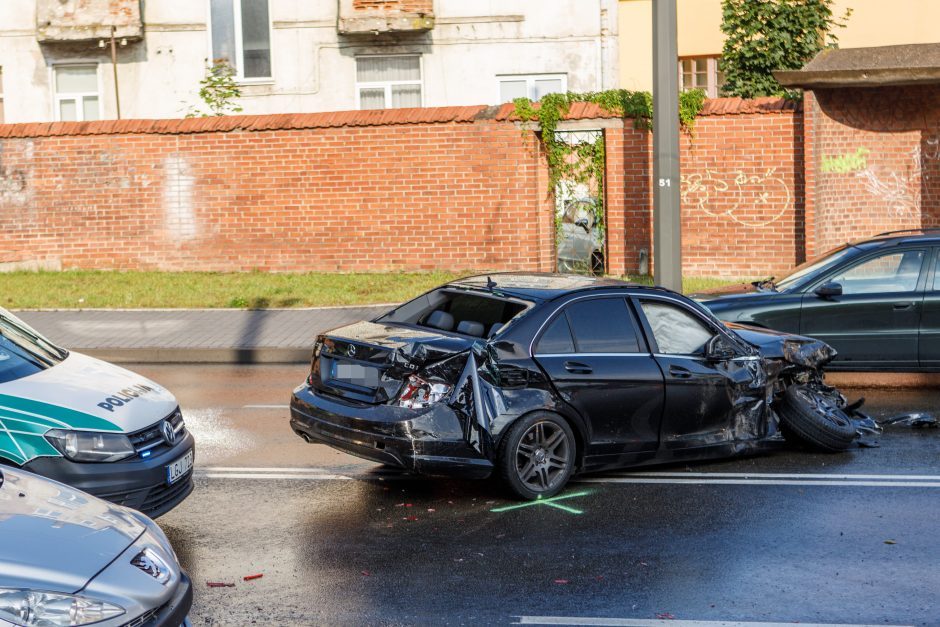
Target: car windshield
x,y
23,351
812,267
457,310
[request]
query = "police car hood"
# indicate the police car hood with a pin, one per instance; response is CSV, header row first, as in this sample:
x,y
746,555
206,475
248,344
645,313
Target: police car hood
x,y
89,394
55,538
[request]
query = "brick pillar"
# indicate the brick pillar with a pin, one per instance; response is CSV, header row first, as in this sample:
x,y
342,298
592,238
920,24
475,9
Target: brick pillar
x,y
545,202
809,174
614,201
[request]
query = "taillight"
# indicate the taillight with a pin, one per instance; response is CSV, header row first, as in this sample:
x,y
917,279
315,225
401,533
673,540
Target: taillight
x,y
418,393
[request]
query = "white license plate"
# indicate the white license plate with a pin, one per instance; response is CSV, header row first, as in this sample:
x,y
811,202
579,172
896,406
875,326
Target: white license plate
x,y
179,468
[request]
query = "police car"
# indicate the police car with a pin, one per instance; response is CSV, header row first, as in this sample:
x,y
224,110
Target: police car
x,y
90,424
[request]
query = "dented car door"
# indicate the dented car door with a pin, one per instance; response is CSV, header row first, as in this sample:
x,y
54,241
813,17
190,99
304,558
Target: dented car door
x,y
702,393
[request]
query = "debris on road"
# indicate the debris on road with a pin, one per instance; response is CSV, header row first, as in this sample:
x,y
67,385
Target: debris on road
x,y
917,420
253,577
219,584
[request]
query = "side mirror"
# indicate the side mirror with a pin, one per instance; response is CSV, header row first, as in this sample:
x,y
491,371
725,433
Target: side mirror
x,y
583,223
718,349
829,288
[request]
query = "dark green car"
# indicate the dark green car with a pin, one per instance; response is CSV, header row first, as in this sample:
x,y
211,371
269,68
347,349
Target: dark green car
x,y
877,302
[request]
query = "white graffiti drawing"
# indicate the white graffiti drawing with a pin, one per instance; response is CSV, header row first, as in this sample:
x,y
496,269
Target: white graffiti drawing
x,y
767,194
901,191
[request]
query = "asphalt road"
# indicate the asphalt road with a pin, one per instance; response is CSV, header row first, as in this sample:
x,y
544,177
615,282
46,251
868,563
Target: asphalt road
x,y
786,537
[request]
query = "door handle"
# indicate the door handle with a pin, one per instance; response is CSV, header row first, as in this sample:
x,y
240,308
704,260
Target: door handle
x,y
902,306
576,367
679,372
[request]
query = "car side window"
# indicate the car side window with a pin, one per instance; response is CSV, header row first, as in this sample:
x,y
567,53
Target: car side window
x,y
557,338
602,325
676,331
895,272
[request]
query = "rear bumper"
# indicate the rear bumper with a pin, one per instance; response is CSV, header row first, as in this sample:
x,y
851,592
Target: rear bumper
x,y
427,442
136,483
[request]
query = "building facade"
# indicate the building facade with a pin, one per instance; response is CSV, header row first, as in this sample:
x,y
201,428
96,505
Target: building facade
x,y
870,23
296,56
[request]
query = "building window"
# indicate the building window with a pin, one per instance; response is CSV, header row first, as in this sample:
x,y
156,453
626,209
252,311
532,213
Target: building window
x,y
76,93
701,73
241,36
531,86
390,82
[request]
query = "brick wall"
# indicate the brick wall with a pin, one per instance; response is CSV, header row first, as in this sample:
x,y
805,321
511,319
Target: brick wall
x,y
876,161
454,188
454,193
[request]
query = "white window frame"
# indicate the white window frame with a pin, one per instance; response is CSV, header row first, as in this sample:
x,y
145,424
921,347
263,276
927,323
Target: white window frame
x,y
387,85
530,83
711,87
240,45
79,97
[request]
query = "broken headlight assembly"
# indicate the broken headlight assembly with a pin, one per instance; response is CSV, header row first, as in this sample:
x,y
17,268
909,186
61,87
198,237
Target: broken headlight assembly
x,y
33,607
418,393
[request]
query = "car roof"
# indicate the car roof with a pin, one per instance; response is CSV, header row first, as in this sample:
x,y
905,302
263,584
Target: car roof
x,y
903,236
542,286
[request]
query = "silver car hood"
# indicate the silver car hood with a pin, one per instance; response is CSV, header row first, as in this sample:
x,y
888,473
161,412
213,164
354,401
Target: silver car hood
x,y
55,538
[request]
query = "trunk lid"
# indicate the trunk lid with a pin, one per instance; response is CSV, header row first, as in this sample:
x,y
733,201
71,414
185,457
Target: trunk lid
x,y
368,362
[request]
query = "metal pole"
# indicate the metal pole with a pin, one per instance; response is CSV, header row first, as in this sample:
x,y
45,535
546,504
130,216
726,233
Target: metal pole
x,y
117,94
667,224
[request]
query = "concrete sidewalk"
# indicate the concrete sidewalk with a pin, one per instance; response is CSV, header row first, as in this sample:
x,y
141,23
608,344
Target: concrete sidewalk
x,y
195,336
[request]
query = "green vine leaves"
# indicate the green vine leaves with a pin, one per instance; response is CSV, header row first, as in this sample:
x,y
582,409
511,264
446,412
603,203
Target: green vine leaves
x,y
582,163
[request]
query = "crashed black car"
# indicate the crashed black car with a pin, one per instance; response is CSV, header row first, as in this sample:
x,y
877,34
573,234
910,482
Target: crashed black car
x,y
536,377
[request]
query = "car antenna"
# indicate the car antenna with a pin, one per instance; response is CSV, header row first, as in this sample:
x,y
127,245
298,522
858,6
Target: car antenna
x,y
490,283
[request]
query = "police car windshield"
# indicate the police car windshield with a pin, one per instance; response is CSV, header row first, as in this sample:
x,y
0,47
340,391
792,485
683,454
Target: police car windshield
x,y
18,339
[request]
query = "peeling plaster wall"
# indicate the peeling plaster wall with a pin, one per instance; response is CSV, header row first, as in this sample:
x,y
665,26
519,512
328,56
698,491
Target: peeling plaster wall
x,y
314,68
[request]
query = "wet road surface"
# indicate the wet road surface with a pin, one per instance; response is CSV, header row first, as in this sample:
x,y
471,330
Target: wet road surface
x,y
790,536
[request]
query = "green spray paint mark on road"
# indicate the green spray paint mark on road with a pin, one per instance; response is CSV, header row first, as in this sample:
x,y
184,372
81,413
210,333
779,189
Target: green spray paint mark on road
x,y
552,502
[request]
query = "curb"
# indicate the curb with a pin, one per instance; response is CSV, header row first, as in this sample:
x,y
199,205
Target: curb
x,y
230,356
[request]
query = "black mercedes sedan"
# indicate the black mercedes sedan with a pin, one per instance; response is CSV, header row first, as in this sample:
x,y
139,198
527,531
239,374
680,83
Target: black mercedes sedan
x,y
534,377
877,302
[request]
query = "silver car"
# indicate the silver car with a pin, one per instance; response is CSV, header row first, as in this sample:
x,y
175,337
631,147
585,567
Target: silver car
x,y
68,558
580,238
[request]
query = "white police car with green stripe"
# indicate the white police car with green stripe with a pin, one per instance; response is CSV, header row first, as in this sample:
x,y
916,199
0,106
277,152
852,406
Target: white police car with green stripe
x,y
90,424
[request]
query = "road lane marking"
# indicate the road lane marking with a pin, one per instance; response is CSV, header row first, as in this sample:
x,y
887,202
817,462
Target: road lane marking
x,y
673,478
642,622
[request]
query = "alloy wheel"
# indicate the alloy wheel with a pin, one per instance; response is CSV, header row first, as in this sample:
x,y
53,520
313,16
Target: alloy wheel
x,y
542,456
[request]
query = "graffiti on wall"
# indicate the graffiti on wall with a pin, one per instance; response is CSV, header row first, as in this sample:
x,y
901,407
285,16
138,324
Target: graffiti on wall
x,y
901,190
849,162
751,200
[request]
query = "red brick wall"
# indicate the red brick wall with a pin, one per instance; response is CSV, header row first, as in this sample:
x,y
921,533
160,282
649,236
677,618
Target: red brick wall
x,y
877,161
406,196
742,192
454,188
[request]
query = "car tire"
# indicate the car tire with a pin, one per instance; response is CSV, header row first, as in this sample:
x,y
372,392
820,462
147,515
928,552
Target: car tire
x,y
815,420
537,456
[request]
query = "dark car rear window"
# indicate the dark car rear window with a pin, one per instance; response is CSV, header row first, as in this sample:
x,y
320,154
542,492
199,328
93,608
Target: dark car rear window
x,y
601,325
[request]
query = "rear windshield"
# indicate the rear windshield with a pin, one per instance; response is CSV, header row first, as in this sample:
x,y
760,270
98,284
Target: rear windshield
x,y
22,350
458,311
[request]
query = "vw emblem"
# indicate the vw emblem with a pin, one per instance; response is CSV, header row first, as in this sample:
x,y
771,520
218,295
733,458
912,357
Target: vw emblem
x,y
351,350
169,435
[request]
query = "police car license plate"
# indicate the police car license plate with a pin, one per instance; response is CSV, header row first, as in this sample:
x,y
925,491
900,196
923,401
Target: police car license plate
x,y
179,468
